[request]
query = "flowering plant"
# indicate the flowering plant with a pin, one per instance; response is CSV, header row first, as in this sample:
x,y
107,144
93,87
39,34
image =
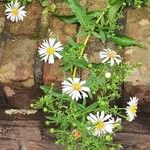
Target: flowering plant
x,y
84,112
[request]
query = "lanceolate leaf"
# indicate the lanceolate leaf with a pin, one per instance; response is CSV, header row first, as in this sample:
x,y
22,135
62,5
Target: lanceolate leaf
x,y
123,40
80,14
113,11
73,19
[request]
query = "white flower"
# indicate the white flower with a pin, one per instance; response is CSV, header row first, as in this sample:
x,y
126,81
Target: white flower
x,y
116,122
107,75
102,124
111,56
75,89
131,110
14,12
50,48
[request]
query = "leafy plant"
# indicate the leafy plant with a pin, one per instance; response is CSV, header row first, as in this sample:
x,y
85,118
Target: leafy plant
x,y
74,124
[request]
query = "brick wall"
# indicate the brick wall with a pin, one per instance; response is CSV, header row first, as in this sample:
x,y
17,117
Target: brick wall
x,y
21,71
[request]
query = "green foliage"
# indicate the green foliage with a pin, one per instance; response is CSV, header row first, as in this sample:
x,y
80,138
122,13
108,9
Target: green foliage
x,y
138,3
23,2
123,41
71,54
80,14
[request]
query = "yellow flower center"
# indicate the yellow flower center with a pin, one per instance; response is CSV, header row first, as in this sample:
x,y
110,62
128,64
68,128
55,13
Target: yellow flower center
x,y
133,108
50,50
100,125
112,54
15,11
76,86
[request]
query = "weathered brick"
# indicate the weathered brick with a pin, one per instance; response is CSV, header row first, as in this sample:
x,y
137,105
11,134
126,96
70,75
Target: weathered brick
x,y
18,60
16,71
21,133
52,73
30,23
9,144
96,5
138,27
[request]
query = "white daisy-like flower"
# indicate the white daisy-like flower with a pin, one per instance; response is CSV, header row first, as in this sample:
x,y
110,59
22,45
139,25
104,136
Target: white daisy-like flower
x,y
14,12
49,49
75,88
102,124
111,56
131,110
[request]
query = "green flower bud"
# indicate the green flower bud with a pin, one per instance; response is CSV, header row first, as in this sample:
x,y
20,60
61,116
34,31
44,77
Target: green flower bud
x,y
31,105
47,123
45,109
90,65
52,130
74,124
109,138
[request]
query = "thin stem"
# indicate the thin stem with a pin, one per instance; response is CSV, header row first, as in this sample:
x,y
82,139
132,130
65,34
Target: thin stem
x,y
85,43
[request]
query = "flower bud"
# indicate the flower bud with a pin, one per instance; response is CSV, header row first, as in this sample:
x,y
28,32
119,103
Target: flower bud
x,y
107,75
45,109
52,130
47,123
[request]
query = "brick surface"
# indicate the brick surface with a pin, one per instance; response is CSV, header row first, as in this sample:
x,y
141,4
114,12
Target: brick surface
x,y
31,21
138,27
9,144
31,135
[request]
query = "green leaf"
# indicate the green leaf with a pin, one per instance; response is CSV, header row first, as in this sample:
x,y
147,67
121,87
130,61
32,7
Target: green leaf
x,y
72,19
112,2
69,19
82,33
113,11
123,40
101,35
80,14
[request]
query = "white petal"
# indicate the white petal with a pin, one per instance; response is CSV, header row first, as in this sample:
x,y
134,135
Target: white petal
x,y
76,80
104,60
85,89
108,127
84,94
66,83
82,82
70,80
112,62
51,59
102,115
52,42
58,55
57,45
107,117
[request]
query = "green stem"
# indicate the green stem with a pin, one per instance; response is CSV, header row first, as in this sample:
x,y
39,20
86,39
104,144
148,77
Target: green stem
x,y
85,43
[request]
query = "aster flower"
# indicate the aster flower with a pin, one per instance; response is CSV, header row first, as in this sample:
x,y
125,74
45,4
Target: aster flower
x,y
110,56
131,110
75,88
102,123
49,49
14,12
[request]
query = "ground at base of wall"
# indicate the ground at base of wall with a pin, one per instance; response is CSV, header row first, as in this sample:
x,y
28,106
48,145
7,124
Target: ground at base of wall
x,y
29,134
